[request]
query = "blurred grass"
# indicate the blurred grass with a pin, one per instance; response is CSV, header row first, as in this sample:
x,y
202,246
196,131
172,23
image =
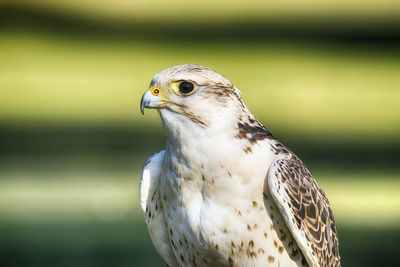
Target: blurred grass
x,y
128,244
114,197
323,76
356,94
203,10
93,219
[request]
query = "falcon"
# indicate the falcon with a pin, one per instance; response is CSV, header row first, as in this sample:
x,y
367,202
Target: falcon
x,y
225,191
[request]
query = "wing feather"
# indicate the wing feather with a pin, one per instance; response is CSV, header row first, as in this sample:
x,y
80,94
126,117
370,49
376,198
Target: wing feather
x,y
306,211
150,176
152,208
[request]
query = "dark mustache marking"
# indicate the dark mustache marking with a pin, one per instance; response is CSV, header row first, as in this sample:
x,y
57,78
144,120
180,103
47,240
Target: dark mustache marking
x,y
183,110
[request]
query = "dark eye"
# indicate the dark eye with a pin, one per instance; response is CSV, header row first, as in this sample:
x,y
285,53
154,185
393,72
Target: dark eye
x,y
186,87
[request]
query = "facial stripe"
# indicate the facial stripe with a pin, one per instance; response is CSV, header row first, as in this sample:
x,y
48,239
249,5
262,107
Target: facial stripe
x,y
183,110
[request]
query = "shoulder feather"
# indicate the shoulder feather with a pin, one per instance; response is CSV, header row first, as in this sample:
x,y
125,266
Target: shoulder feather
x,y
152,207
150,177
306,211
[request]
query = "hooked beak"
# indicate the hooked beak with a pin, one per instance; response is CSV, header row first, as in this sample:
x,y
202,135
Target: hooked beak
x,y
151,99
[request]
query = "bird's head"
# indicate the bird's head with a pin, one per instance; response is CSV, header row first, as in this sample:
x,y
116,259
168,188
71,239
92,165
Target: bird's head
x,y
189,95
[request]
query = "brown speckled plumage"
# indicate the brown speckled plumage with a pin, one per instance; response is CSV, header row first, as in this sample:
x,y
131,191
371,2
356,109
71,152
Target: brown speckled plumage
x,y
225,192
310,209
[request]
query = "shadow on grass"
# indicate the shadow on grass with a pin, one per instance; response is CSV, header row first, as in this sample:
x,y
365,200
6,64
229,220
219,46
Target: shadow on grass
x,y
74,244
128,244
118,146
322,30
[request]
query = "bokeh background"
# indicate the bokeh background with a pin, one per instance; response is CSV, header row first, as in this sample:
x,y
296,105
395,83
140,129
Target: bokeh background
x,y
323,76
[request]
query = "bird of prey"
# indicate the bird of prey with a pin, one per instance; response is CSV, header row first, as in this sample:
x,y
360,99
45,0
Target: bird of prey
x,y
225,191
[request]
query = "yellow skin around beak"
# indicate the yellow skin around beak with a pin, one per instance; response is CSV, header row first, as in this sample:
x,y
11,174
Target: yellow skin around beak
x,y
153,98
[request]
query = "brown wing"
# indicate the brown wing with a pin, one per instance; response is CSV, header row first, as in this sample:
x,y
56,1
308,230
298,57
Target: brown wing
x,y
306,211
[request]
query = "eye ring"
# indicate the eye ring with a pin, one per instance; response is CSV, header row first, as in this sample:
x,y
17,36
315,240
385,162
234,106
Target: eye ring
x,y
186,87
155,91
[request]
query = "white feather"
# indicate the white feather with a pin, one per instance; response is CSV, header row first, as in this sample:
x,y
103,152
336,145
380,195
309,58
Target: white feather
x,y
155,217
150,176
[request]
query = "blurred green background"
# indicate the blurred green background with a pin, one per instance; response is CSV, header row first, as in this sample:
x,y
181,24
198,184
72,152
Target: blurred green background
x,y
323,76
